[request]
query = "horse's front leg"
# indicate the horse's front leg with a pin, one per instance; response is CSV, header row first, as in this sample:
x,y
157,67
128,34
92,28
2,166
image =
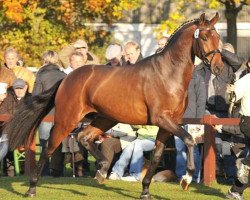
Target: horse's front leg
x,y
189,142
154,162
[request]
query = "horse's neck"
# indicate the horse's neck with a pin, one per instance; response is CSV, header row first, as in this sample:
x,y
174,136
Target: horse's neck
x,y
179,56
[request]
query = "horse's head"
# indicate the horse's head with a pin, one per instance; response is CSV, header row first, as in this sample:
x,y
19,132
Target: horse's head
x,y
206,43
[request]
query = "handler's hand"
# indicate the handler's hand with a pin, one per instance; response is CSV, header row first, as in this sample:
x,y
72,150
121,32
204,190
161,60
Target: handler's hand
x,y
218,128
230,88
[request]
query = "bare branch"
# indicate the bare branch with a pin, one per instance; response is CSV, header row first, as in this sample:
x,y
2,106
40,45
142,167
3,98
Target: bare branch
x,y
242,3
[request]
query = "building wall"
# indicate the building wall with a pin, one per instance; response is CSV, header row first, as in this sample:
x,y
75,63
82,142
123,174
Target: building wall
x,y
144,34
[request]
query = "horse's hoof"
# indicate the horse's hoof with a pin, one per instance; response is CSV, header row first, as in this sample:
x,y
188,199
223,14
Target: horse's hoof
x,y
145,196
184,184
30,194
100,177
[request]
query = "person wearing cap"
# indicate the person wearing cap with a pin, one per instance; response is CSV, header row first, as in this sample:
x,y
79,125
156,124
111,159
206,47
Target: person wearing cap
x,y
114,55
132,51
12,58
20,88
80,46
14,96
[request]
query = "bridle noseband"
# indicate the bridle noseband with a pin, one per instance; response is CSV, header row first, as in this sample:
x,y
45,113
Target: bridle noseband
x,y
204,55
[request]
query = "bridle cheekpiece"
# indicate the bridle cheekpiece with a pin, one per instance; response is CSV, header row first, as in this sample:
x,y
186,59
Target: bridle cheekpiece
x,y
204,55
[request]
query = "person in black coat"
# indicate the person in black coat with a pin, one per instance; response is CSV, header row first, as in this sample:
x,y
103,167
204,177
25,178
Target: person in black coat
x,y
15,95
47,76
217,105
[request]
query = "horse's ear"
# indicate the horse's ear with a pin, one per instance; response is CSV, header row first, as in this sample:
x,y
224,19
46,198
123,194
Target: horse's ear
x,y
214,20
202,18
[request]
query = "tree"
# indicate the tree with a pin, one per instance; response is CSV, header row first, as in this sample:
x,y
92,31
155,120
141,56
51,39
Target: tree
x,y
232,8
32,26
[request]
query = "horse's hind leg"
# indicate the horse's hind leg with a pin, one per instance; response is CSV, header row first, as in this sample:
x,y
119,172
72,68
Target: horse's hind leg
x,y
159,148
88,135
58,133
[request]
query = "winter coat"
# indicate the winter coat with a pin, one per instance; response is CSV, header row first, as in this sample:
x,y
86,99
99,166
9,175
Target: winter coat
x,y
47,77
10,102
196,97
231,64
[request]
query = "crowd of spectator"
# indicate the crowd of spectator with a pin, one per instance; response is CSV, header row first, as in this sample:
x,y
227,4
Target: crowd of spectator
x,y
125,145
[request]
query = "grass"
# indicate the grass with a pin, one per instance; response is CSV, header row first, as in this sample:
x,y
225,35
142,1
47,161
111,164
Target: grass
x,y
88,188
70,188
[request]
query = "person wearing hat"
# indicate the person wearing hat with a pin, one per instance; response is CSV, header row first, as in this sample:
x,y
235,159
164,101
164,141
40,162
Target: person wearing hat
x,y
76,60
114,55
80,46
14,96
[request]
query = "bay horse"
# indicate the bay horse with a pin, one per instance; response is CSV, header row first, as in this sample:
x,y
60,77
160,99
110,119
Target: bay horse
x,y
150,92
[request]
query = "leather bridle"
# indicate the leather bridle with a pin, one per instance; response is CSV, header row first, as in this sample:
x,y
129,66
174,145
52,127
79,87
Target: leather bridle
x,y
204,55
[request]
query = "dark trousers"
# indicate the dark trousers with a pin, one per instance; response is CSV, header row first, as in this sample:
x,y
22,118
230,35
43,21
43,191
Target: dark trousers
x,y
8,164
57,162
246,161
45,171
239,187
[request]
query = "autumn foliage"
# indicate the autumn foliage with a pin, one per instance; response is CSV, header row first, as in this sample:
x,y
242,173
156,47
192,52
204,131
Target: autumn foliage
x,y
33,26
179,15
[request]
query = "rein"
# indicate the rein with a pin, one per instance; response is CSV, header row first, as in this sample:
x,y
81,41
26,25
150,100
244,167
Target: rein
x,y
203,53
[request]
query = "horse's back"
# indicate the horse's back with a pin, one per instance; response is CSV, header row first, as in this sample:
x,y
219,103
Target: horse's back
x,y
112,91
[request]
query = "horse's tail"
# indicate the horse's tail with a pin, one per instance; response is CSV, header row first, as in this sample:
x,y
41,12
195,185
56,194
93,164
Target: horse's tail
x,y
28,116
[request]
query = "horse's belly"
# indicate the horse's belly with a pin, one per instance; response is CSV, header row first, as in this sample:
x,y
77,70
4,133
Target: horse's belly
x,y
126,114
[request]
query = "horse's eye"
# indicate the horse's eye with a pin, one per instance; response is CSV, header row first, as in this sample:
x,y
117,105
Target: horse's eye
x,y
203,37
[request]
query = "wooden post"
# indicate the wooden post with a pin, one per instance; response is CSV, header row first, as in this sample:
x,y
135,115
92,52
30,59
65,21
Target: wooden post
x,y
209,151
